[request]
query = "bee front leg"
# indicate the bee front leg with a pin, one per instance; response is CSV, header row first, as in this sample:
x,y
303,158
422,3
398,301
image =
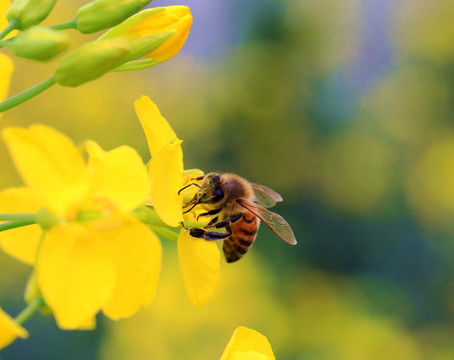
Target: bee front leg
x,y
225,223
208,235
208,213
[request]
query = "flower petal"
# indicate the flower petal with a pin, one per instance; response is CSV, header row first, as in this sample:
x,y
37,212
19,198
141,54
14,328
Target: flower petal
x,y
49,163
200,265
4,6
137,253
75,273
88,324
245,344
9,330
6,70
166,179
118,175
156,128
20,243
177,18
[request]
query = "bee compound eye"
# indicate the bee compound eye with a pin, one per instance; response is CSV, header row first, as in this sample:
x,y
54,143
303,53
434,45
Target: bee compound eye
x,y
218,193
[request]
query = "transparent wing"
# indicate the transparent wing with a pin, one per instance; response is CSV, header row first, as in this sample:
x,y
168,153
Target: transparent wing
x,y
265,196
274,221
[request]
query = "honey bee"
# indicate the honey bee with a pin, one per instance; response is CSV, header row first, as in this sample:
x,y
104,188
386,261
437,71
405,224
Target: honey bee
x,y
238,206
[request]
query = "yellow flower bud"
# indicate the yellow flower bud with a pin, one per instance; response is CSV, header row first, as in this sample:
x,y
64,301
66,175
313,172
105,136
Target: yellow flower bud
x,y
29,12
39,44
156,21
102,14
90,61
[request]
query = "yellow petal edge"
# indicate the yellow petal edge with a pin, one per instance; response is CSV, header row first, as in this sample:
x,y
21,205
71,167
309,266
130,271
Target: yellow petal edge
x,y
156,128
9,330
247,344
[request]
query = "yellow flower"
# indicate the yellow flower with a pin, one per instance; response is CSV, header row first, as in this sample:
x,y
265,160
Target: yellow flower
x,y
248,344
97,256
199,259
9,330
155,21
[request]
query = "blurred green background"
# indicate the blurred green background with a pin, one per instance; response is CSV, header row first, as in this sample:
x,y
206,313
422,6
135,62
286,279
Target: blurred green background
x,y
344,107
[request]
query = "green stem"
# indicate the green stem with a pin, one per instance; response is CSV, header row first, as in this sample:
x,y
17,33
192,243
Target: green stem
x,y
18,217
15,224
26,94
165,233
147,215
12,25
31,308
71,24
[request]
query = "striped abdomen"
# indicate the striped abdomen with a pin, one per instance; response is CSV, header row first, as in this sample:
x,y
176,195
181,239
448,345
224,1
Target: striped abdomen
x,y
243,235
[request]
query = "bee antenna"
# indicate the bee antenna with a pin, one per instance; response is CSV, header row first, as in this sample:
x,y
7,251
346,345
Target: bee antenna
x,y
192,207
195,204
188,186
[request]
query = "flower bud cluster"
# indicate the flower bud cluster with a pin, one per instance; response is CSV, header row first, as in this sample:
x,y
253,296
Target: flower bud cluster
x,y
157,34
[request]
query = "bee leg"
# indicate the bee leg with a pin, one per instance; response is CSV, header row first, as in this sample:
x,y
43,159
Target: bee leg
x,y
208,213
213,221
208,235
198,178
225,223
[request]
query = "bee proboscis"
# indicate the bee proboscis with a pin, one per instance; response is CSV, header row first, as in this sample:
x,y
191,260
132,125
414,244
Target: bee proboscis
x,y
238,206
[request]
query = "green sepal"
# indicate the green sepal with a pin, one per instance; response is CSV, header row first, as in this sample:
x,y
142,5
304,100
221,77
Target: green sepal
x,y
102,14
33,292
144,46
192,172
136,65
196,224
121,29
39,44
87,216
32,289
29,12
90,61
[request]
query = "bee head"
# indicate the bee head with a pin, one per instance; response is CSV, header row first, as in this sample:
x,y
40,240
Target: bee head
x,y
210,191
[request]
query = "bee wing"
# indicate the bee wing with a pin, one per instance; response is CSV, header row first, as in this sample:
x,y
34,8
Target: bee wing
x,y
265,196
274,221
